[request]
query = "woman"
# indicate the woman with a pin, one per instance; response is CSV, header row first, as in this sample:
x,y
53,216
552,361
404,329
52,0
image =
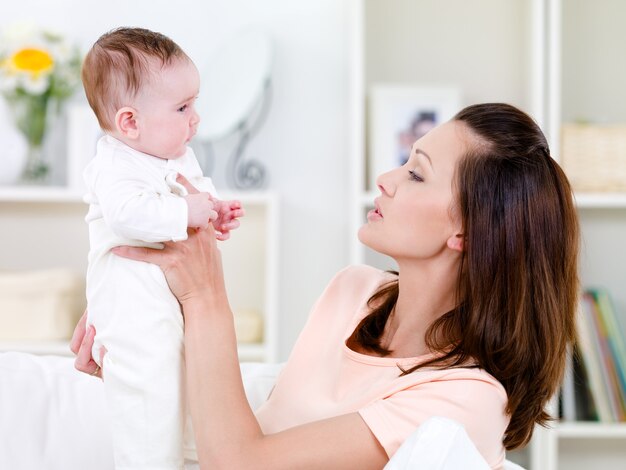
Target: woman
x,y
474,327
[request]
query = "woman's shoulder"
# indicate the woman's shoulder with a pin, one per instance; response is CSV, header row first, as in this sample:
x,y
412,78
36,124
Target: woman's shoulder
x,y
361,274
470,379
348,291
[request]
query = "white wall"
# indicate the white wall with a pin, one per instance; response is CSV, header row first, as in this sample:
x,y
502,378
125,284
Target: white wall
x,y
435,42
594,34
303,141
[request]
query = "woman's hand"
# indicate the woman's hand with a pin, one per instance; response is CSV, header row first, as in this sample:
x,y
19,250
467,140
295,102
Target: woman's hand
x,y
81,345
192,267
227,211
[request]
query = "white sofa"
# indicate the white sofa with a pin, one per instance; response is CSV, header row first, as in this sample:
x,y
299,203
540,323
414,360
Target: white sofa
x,y
53,418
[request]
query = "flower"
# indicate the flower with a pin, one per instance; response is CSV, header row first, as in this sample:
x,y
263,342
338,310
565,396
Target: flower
x,y
37,67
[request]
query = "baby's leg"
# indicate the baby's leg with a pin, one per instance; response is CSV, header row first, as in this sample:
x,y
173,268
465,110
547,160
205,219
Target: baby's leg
x,y
139,322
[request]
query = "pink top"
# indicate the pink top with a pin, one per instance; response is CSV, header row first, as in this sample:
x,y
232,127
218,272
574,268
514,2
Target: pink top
x,y
324,378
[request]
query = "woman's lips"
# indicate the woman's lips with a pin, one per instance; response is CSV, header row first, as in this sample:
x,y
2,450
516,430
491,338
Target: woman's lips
x,y
375,214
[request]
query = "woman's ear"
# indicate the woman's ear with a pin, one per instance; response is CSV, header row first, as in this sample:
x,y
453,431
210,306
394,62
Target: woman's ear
x,y
456,242
126,122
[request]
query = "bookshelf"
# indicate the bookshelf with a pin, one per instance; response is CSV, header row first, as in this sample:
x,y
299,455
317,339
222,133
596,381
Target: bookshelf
x,y
548,58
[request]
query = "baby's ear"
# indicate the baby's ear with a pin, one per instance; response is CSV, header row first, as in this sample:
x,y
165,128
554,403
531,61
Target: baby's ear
x,y
126,122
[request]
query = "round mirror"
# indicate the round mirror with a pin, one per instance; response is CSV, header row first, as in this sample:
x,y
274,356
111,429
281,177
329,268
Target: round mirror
x,y
232,84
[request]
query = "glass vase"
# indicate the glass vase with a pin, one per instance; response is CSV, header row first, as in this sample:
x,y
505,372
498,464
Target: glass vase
x,y
30,115
35,170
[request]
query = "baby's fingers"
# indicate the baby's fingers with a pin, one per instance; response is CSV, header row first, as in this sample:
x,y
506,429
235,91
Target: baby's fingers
x,y
228,226
237,213
222,236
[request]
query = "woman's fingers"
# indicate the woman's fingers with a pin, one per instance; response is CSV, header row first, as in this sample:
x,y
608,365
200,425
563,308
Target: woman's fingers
x,y
188,265
149,255
84,362
191,189
79,333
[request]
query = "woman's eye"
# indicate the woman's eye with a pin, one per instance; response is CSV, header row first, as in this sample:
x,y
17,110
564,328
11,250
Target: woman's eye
x,y
415,177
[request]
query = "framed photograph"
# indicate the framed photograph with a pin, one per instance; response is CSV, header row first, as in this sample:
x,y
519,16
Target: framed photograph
x,y
398,116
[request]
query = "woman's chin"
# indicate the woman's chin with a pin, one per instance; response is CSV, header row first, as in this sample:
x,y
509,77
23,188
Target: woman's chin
x,y
361,235
364,237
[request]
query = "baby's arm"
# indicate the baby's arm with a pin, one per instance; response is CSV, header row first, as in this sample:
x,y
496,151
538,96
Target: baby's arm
x,y
200,210
133,208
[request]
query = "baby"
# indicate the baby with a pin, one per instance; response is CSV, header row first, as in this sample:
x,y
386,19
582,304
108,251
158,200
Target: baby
x,y
142,88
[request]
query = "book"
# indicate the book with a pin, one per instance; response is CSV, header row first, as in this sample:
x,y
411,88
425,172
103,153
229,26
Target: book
x,y
591,358
615,339
607,363
585,405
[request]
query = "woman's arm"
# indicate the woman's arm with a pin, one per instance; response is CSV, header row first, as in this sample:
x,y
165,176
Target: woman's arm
x,y
227,432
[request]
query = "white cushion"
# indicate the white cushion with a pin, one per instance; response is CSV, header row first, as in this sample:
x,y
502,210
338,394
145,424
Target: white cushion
x,y
53,417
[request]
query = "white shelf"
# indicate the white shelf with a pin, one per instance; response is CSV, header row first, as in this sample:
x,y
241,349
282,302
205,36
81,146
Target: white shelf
x,y
583,200
584,430
40,194
62,194
601,200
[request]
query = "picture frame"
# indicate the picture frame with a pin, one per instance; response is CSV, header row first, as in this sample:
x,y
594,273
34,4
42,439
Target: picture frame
x,y
401,114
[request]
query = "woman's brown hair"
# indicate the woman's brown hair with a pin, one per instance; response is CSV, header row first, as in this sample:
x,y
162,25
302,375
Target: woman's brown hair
x,y
518,279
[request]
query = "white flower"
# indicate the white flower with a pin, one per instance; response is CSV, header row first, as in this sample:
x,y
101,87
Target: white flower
x,y
35,85
8,83
32,59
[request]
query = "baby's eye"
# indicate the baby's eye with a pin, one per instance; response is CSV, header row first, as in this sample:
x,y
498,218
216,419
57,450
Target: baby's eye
x,y
182,108
415,177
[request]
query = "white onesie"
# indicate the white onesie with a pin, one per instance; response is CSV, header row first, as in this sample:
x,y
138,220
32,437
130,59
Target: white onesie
x,y
134,200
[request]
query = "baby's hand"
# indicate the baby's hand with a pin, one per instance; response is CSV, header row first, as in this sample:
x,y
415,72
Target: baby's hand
x,y
227,214
200,210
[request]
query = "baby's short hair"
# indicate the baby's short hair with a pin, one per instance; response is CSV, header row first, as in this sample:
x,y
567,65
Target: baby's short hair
x,y
118,64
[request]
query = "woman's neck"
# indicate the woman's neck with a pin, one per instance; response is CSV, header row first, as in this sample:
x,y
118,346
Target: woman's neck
x,y
424,295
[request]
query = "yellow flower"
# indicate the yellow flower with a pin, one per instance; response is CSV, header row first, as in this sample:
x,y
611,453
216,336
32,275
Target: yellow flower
x,y
32,61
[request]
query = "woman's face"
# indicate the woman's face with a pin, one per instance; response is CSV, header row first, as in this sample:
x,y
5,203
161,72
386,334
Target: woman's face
x,y
414,217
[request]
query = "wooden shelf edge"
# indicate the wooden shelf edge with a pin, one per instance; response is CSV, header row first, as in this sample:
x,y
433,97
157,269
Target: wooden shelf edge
x,y
40,194
601,200
583,200
590,430
62,194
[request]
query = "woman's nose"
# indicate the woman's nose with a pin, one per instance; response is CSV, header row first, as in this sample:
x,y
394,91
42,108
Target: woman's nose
x,y
385,183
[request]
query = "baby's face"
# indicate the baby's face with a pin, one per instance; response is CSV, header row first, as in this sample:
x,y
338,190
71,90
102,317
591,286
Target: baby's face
x,y
166,116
